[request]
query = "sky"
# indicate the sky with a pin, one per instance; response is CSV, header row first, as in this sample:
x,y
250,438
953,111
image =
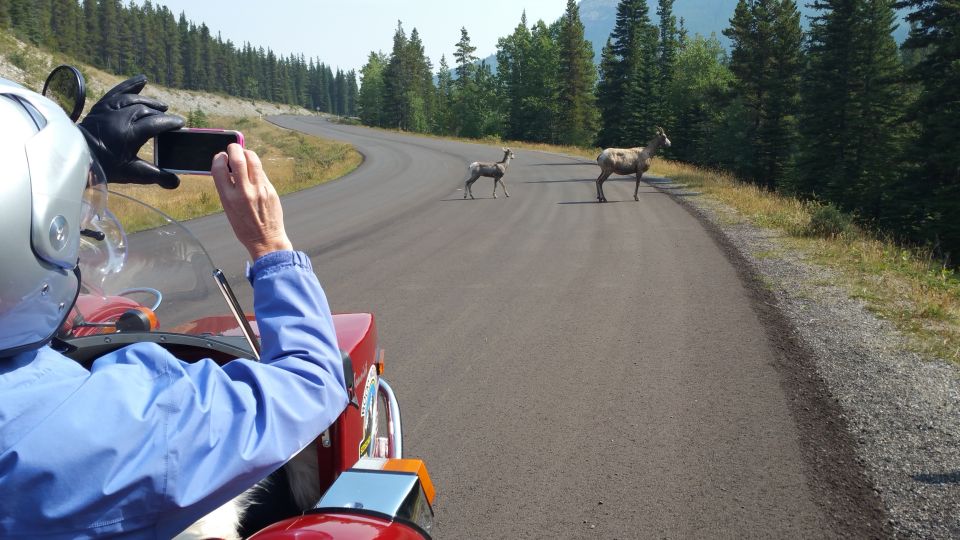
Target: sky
x,y
342,33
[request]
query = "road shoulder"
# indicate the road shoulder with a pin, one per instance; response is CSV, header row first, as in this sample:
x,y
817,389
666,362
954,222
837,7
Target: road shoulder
x,y
879,425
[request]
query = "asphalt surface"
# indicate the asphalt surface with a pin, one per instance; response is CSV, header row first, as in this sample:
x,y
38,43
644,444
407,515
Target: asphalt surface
x,y
567,369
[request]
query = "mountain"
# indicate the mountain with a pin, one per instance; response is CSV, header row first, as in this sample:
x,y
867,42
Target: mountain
x,y
702,17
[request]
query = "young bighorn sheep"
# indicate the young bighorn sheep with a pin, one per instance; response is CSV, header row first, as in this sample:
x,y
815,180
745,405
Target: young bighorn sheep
x,y
493,170
628,161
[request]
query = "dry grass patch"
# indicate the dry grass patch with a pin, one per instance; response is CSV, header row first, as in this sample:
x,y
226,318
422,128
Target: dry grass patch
x,y
907,286
293,161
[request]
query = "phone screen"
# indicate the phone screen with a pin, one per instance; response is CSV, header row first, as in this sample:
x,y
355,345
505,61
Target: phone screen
x,y
192,150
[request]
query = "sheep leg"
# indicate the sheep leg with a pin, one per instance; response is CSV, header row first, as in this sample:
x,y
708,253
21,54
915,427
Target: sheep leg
x,y
600,180
636,190
468,187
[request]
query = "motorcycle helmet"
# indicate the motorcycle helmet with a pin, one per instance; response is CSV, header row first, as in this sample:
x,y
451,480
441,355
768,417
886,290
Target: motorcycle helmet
x,y
49,187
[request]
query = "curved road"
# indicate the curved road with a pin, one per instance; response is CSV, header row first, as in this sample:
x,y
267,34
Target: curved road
x,y
566,369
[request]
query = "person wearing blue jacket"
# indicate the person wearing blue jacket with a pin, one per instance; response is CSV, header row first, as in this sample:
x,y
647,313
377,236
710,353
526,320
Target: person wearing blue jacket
x,y
142,444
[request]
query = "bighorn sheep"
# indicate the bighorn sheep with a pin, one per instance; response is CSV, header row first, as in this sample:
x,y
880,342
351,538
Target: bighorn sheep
x,y
493,170
628,161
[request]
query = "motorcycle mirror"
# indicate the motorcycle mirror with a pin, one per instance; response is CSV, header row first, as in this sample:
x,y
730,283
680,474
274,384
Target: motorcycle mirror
x,y
66,88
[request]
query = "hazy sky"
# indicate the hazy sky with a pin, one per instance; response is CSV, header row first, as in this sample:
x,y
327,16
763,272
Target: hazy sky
x,y
342,33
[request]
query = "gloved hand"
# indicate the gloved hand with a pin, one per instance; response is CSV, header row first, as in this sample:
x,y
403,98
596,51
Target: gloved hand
x,y
119,124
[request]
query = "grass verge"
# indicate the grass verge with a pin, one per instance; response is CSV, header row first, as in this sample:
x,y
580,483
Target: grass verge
x,y
293,161
907,286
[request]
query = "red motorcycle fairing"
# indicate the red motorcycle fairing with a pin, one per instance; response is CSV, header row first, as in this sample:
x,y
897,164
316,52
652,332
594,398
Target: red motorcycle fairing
x,y
346,525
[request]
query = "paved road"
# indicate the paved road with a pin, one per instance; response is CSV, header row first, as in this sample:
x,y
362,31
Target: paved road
x,y
567,369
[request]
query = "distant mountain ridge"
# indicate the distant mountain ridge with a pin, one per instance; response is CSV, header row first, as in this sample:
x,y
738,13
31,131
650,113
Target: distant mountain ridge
x,y
702,17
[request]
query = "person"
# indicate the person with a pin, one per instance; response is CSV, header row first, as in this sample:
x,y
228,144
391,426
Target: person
x,y
142,444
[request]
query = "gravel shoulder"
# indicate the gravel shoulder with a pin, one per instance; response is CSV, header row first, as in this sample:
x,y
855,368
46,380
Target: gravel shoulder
x,y
892,413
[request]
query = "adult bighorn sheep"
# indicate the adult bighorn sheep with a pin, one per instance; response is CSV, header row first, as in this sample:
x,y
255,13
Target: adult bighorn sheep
x,y
628,161
493,170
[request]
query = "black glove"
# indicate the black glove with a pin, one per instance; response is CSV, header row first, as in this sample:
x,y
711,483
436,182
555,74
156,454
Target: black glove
x,y
119,124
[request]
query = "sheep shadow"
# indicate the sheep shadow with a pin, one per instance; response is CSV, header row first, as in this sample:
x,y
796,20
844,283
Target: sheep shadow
x,y
938,478
594,200
624,179
561,164
556,181
468,199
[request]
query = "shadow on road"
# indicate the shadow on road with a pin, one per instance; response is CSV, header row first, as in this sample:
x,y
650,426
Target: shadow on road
x,y
560,164
938,478
594,201
555,181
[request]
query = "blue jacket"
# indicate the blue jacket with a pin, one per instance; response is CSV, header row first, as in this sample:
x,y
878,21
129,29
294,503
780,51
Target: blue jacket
x,y
144,444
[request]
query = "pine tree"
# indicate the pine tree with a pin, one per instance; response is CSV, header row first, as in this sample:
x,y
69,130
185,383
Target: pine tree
x,y
352,93
420,94
371,100
443,112
465,60
64,22
91,25
577,121
696,94
127,26
326,97
628,89
513,54
4,14
341,84
666,60
31,20
397,81
541,85
488,113
189,52
852,98
108,52
934,155
465,96
206,73
173,56
766,62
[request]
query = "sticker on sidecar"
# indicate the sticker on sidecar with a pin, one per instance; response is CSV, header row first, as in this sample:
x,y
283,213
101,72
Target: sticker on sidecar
x,y
368,411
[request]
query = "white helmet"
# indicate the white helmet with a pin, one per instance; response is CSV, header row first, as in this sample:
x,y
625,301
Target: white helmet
x,y
45,168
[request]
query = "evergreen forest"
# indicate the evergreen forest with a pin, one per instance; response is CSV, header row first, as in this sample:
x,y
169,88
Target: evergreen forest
x,y
175,52
832,110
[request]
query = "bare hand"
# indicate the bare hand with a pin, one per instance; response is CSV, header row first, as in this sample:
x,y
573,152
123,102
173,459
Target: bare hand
x,y
250,201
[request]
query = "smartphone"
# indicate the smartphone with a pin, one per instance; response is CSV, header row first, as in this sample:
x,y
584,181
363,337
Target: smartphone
x,y
191,150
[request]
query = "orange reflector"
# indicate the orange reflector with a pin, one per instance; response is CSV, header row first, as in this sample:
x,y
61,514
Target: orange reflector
x,y
151,316
417,467
380,363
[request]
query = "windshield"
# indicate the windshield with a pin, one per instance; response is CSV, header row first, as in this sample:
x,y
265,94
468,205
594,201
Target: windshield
x,y
158,280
